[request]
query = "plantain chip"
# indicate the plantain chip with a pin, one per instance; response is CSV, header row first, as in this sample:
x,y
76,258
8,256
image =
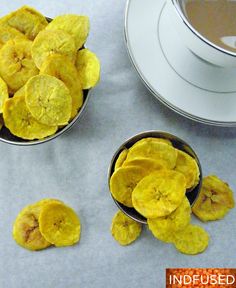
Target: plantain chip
x,y
124,229
154,150
121,158
214,201
21,123
26,227
48,100
16,63
153,139
50,42
3,93
59,224
88,66
26,20
75,25
62,68
192,240
164,228
150,165
123,182
159,193
189,167
9,33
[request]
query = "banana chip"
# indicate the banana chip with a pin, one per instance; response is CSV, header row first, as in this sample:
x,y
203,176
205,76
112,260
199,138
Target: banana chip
x,y
75,25
159,193
88,67
50,42
62,68
59,224
154,150
214,201
26,20
16,63
125,230
150,165
121,158
152,139
189,167
164,228
3,93
192,240
9,33
123,181
48,100
21,123
26,227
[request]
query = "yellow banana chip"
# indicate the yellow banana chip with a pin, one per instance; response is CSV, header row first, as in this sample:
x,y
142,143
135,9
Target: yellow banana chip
x,y
192,240
9,33
88,66
62,68
215,199
121,158
48,100
123,182
152,139
59,224
154,150
124,229
16,63
21,123
159,193
50,42
150,165
75,25
26,20
26,227
164,228
189,167
3,93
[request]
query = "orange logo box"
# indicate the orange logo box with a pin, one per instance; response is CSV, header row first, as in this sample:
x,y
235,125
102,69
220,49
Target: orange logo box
x,y
201,278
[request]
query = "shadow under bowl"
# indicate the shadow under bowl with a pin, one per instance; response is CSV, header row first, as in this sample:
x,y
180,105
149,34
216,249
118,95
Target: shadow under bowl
x,y
177,143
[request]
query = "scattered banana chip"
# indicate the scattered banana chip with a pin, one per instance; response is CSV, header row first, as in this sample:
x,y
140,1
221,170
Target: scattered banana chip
x,y
189,167
26,20
192,240
154,150
20,122
123,181
16,63
215,199
9,33
3,93
62,68
26,227
50,42
121,158
88,67
124,229
164,228
48,100
159,193
75,25
59,224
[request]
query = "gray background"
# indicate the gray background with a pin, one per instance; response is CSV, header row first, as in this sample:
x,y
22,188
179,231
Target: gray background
x,y
73,168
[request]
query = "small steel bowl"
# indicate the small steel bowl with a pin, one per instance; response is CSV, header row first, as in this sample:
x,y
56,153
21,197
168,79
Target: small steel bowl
x,y
7,137
177,143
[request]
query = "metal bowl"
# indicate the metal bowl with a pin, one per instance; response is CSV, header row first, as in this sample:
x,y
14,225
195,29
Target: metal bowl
x,y
177,143
7,137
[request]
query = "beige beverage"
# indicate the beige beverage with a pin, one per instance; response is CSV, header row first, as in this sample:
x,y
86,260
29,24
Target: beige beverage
x,y
215,20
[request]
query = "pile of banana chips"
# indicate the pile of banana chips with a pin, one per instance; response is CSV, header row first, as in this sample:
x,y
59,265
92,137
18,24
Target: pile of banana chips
x,y
44,70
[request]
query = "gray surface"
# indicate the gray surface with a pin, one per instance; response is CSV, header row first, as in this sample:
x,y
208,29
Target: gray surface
x,y
73,168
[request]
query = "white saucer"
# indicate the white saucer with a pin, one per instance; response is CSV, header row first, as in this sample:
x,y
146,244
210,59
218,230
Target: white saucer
x,y
179,79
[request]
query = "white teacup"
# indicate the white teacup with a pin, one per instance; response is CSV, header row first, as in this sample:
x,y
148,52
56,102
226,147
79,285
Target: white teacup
x,y
198,44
